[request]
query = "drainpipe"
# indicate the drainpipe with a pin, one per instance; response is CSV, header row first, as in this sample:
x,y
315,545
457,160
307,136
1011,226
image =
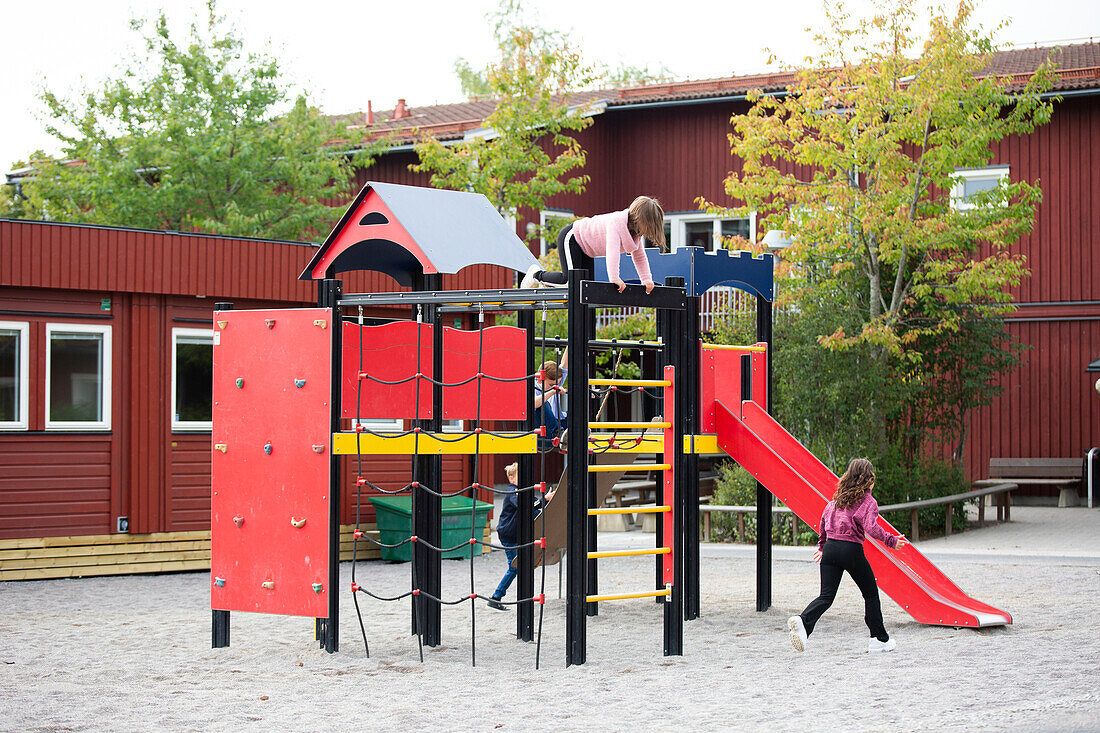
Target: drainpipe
x,y
1090,460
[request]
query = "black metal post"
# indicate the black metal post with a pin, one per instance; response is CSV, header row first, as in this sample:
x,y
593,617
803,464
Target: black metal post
x,y
674,609
525,611
428,514
577,473
219,633
690,406
328,296
763,496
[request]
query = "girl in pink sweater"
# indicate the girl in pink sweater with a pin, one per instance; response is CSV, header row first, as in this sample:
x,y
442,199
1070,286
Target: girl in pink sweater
x,y
845,523
606,235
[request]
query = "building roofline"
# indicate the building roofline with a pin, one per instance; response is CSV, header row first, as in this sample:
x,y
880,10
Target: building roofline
x,y
166,232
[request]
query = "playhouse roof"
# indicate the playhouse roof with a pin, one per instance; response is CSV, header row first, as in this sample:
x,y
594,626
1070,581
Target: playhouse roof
x,y
404,231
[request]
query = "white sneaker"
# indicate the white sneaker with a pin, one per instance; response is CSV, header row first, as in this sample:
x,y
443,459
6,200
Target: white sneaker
x,y
874,645
798,633
529,282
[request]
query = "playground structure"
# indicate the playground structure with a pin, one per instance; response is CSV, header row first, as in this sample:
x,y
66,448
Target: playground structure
x,y
279,431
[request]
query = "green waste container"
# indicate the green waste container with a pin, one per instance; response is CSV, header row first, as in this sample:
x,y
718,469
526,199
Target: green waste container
x,y
394,517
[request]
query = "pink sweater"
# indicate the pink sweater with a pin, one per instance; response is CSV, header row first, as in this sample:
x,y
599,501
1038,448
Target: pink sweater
x,y
606,235
853,524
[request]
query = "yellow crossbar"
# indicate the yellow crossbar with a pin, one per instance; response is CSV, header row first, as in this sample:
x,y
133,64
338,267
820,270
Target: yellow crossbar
x,y
629,510
628,553
630,382
732,347
628,425
434,444
702,444
654,443
608,467
622,596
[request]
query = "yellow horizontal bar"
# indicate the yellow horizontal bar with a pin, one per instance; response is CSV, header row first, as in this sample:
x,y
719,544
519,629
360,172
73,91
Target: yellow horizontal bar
x,y
732,347
629,510
622,596
435,444
654,443
628,425
630,382
609,467
703,444
629,553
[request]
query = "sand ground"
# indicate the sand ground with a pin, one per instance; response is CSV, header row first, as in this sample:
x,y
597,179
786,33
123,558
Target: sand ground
x,y
133,653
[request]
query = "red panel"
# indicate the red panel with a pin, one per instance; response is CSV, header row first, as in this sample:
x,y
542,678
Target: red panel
x,y
720,381
257,495
389,354
504,355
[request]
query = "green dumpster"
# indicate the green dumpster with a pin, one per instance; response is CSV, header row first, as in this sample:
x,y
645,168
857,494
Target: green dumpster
x,y
394,517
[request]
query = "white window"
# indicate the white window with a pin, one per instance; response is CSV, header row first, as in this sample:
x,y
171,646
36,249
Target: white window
x,y
698,229
192,378
78,377
550,222
14,382
970,181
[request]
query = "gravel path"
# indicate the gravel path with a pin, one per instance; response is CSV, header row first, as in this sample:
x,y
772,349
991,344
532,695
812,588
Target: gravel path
x,y
134,653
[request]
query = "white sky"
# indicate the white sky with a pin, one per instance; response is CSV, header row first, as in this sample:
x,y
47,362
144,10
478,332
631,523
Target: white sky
x,y
346,52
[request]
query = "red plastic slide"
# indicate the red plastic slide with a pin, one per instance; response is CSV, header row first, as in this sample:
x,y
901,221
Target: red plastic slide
x,y
802,482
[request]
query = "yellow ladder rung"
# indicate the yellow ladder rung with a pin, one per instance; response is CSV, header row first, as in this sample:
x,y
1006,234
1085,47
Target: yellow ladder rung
x,y
629,510
623,596
630,467
731,347
630,382
629,553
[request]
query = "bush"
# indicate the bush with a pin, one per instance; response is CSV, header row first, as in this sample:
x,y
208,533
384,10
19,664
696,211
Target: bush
x,y
737,487
898,481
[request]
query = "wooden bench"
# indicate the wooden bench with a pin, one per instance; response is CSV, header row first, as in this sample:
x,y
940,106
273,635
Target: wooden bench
x,y
1064,474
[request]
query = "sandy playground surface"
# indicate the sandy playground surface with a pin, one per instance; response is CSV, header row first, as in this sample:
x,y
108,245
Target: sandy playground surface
x,y
133,653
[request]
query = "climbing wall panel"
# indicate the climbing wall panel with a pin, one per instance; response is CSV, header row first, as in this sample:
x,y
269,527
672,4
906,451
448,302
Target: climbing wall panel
x,y
270,468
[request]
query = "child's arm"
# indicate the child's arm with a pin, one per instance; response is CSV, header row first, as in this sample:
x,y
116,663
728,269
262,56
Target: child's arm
x,y
641,264
823,534
611,255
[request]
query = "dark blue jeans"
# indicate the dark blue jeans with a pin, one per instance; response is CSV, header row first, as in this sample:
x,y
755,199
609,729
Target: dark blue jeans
x,y
510,575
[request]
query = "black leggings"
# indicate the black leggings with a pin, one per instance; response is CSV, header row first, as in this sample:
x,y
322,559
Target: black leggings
x,y
575,256
838,556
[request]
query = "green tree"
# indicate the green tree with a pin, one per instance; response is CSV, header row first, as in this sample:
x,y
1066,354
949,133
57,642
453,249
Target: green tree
x,y
883,124
528,153
202,141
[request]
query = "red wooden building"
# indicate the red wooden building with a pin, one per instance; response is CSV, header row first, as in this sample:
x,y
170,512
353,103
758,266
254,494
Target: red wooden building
x,y
97,324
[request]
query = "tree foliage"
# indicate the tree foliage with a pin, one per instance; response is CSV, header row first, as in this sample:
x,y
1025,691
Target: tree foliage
x,y
883,124
528,153
196,136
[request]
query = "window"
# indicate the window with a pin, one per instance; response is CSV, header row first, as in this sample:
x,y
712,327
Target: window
x,y
695,229
78,377
550,222
192,378
14,385
969,182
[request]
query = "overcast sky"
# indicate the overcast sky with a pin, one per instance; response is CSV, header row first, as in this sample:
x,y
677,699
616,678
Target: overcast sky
x,y
346,52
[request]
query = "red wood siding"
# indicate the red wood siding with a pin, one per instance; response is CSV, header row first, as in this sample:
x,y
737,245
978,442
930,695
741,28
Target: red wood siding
x,y
47,488
189,482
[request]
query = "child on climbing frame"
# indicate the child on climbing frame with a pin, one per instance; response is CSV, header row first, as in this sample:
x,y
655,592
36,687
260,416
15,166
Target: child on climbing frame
x,y
847,519
550,401
606,235
508,531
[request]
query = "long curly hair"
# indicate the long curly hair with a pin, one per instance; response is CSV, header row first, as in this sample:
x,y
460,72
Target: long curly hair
x,y
855,484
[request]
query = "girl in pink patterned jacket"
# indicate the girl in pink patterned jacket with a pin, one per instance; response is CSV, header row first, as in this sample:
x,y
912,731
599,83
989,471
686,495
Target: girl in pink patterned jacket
x,y
845,523
607,235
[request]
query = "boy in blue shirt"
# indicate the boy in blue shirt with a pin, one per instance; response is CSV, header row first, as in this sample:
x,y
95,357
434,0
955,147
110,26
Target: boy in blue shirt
x,y
508,531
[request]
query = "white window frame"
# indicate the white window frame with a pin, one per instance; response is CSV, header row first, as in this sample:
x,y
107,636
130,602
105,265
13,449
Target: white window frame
x,y
546,215
187,425
23,384
680,219
962,175
105,386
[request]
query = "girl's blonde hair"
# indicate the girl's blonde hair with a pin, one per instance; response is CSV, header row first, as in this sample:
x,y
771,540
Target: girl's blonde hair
x,y
646,217
855,484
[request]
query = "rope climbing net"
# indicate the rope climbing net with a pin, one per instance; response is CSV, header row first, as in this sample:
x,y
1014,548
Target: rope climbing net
x,y
417,489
